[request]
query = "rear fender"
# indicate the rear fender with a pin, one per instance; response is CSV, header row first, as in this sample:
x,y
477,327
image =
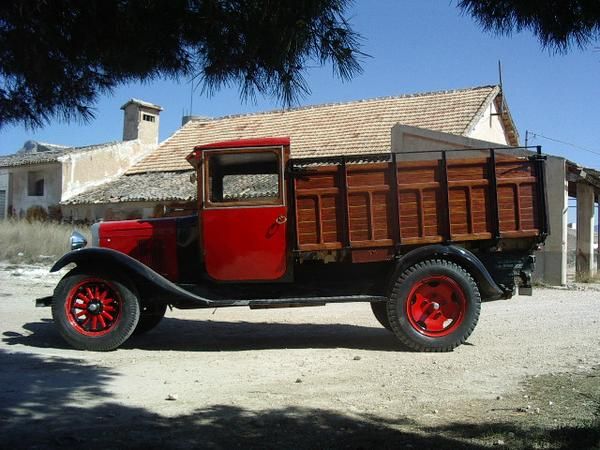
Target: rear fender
x,y
488,288
149,283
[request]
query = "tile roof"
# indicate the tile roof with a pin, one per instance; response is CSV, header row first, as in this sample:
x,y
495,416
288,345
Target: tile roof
x,y
45,153
343,128
156,186
174,186
323,130
243,187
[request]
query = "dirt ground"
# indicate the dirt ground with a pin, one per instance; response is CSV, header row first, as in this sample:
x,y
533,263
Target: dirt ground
x,y
321,377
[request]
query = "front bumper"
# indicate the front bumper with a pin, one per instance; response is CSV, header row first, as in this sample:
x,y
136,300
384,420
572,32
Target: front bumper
x,y
43,302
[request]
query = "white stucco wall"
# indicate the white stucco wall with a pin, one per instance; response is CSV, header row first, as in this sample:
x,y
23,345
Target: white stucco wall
x,y
87,169
413,139
19,198
4,187
489,127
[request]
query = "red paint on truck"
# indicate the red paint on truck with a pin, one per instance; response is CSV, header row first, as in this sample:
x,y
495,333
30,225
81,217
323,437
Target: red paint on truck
x,y
151,241
245,243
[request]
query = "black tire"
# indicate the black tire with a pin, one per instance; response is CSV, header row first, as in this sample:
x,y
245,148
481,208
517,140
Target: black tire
x,y
446,299
380,312
150,316
100,319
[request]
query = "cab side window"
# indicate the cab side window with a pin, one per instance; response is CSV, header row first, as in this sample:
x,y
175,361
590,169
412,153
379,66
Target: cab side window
x,y
243,178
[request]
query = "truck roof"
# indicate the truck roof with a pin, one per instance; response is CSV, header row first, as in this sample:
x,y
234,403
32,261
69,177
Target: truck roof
x,y
238,143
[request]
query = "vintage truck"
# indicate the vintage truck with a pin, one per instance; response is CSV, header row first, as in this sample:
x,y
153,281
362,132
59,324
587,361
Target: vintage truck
x,y
422,240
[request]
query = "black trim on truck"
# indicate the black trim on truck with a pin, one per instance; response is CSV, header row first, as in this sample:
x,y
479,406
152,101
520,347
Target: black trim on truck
x,y
119,262
489,289
164,291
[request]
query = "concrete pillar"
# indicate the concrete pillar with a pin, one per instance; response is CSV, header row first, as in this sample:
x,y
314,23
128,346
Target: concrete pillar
x,y
597,240
584,265
552,262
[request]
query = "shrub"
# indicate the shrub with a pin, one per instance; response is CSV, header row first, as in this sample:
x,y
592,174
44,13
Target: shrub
x,y
36,213
22,241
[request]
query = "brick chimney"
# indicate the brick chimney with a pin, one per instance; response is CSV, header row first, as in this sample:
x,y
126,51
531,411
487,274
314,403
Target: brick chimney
x,y
141,121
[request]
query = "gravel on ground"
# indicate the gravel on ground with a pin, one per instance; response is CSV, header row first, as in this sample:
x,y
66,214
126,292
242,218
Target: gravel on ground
x,y
317,377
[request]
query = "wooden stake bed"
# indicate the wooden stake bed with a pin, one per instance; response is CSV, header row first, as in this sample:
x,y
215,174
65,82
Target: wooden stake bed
x,y
380,203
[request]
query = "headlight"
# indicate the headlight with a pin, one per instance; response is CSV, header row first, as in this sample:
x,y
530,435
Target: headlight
x,y
77,240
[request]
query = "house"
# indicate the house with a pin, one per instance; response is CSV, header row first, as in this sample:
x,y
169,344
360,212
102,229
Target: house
x,y
43,175
160,183
157,182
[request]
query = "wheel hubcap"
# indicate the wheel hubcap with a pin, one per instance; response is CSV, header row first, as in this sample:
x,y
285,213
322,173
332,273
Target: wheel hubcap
x,y
93,307
436,306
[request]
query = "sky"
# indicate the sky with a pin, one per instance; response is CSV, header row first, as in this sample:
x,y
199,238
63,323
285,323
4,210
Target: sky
x,y
413,46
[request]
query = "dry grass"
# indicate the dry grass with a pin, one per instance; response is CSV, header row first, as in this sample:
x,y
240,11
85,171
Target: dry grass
x,y
35,242
588,278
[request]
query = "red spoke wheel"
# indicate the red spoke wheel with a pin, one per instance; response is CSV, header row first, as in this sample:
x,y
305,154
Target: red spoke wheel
x,y
93,307
95,311
434,306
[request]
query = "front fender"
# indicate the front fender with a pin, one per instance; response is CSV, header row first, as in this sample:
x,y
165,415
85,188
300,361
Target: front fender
x,y
106,258
488,287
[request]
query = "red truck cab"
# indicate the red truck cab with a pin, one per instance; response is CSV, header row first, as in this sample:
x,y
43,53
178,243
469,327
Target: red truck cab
x,y
243,208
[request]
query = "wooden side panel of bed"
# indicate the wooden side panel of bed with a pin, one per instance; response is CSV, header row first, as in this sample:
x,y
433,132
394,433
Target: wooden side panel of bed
x,y
386,204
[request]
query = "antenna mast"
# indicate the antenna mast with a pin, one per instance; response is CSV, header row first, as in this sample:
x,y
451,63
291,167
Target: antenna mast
x,y
501,108
501,88
191,97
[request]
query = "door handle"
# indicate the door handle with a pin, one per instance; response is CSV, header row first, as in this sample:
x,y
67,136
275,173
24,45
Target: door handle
x,y
281,220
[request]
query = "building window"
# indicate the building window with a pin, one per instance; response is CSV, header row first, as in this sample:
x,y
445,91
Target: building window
x,y
35,184
148,117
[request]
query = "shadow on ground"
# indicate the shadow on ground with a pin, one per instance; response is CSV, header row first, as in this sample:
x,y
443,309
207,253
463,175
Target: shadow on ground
x,y
50,402
207,336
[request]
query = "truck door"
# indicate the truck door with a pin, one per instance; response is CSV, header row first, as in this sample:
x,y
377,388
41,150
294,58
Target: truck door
x,y
244,214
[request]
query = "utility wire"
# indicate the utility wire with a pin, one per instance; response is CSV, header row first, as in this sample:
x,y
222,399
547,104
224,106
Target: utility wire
x,y
535,135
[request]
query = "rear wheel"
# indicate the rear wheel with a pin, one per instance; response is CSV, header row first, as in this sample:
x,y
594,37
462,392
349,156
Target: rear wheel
x,y
434,306
94,311
380,312
150,316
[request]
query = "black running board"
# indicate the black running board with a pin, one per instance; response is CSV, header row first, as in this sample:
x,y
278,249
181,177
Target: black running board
x,y
270,302
298,301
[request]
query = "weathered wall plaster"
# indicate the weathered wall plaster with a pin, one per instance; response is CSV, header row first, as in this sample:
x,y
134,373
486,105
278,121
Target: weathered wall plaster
x,y
84,170
19,198
489,127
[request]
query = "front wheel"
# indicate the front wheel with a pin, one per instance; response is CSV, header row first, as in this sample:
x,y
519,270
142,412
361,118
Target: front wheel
x,y
434,306
94,311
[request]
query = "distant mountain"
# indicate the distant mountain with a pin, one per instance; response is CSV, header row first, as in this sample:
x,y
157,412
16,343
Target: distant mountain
x,y
31,146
